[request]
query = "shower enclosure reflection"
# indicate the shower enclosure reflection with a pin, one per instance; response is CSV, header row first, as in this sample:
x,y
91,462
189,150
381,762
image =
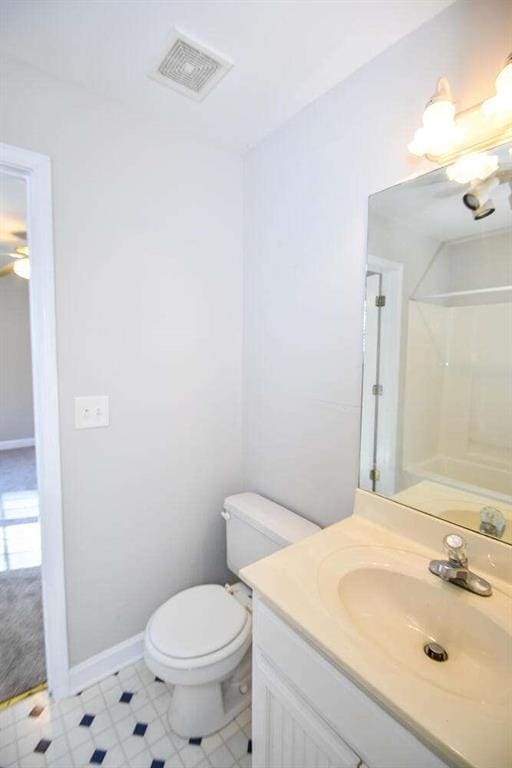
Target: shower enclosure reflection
x,y
439,438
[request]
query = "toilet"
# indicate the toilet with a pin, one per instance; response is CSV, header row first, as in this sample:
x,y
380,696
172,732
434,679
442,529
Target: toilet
x,y
199,641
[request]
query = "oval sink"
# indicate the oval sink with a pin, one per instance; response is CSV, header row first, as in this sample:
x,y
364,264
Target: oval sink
x,y
392,601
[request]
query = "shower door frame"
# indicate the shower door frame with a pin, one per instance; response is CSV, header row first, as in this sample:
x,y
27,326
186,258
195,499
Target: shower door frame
x,y
389,377
35,169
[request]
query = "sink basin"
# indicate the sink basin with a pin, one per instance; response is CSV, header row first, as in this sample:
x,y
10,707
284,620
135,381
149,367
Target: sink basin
x,y
392,602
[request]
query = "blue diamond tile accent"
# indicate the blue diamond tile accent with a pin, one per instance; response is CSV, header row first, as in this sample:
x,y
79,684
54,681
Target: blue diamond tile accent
x,y
42,746
195,741
87,720
158,764
126,697
140,729
97,757
158,680
249,746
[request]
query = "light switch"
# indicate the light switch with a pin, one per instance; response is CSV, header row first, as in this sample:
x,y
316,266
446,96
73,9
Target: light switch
x,y
91,412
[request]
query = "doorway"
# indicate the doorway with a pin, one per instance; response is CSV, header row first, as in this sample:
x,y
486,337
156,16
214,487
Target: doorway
x,y
22,653
33,615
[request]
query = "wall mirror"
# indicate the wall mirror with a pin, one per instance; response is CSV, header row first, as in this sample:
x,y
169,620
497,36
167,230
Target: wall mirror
x,y
436,429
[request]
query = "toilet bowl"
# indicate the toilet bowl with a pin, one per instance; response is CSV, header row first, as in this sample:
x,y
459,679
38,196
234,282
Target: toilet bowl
x,y
199,640
195,642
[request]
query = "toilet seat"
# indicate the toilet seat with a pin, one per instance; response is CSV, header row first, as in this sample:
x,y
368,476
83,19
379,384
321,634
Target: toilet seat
x,y
198,627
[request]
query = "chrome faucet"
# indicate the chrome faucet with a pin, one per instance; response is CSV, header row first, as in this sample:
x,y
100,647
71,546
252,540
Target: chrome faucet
x,y
455,569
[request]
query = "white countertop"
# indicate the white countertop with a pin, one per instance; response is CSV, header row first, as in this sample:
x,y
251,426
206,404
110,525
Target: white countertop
x,y
469,727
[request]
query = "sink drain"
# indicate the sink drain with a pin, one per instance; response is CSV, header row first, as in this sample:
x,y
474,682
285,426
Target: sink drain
x,y
435,651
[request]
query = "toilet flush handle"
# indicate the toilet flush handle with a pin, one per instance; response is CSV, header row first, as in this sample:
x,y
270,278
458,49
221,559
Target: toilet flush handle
x,y
225,515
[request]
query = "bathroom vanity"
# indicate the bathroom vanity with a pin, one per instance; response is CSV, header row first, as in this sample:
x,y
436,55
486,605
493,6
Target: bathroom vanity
x,y
340,676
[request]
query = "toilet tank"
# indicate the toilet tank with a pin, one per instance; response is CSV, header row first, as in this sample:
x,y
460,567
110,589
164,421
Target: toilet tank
x,y
257,527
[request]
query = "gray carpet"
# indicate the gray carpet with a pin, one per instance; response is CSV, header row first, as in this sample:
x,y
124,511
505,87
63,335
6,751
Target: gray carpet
x,y
22,658
22,662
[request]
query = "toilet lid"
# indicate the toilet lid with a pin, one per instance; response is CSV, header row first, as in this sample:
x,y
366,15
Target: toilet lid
x,y
197,622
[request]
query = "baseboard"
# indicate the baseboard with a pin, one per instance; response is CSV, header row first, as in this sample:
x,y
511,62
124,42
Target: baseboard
x,y
107,662
24,442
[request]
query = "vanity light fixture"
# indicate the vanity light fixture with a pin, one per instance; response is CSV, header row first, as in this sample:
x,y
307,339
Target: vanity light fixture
x,y
477,166
446,134
21,267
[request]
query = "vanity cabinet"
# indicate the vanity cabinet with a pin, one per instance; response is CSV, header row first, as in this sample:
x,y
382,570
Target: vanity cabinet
x,y
307,714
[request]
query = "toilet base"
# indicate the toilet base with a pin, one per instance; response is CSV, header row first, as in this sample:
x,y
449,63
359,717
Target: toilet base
x,y
199,710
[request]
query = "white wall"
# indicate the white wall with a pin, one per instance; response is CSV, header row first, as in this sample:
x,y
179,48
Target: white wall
x,y
16,410
306,196
148,250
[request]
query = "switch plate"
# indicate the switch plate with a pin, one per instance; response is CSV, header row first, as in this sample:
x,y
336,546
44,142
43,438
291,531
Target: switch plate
x,y
91,412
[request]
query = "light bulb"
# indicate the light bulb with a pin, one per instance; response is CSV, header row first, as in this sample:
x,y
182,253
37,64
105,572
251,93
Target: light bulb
x,y
504,80
439,133
499,107
476,166
438,115
22,268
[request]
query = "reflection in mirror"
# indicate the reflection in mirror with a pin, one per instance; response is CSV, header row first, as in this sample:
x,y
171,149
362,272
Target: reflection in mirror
x,y
436,430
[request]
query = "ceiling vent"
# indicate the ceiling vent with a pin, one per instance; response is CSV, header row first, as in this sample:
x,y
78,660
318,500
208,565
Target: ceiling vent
x,y
190,67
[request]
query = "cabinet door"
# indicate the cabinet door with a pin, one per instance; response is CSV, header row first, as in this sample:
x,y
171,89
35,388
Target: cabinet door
x,y
287,732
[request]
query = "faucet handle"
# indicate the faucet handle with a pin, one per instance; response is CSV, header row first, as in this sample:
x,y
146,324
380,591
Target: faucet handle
x,y
455,547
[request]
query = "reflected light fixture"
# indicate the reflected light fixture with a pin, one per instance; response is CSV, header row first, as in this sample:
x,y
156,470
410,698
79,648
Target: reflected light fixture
x,y
21,267
20,253
477,166
446,134
478,200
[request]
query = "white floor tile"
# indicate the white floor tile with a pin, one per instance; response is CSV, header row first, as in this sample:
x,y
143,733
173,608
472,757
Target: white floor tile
x,y
8,754
107,739
133,745
77,736
211,743
115,758
8,735
221,758
27,744
191,756
237,744
34,760
229,730
163,748
72,745
57,748
141,760
155,731
244,717
162,704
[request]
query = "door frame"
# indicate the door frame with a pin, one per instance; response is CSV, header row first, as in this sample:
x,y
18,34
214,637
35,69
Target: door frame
x,y
36,170
389,374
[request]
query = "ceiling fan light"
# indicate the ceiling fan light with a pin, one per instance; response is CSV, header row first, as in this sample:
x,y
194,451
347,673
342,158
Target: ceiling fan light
x,y
22,268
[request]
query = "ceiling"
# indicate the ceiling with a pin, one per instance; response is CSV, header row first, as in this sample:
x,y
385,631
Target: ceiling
x,y
432,205
12,215
285,53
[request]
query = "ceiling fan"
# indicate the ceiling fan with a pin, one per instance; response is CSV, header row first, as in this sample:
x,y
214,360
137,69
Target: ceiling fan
x,y
21,261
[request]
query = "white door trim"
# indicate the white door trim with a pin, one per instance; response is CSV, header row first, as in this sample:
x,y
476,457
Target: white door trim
x,y
36,169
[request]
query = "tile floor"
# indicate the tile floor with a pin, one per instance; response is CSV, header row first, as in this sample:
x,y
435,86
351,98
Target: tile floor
x,y
118,723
